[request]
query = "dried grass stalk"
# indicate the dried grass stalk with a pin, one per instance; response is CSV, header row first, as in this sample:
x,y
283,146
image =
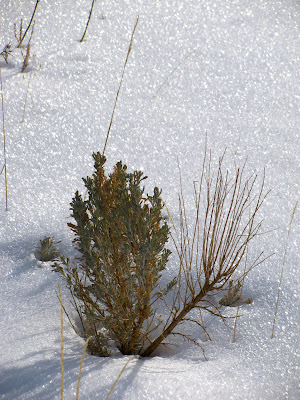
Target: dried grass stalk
x,y
4,142
88,21
282,268
22,37
61,342
118,377
80,368
26,58
6,52
120,84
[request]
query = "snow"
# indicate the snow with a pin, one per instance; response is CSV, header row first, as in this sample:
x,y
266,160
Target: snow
x,y
226,70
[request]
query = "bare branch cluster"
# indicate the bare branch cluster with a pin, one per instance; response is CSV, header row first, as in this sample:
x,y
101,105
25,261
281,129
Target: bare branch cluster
x,y
213,251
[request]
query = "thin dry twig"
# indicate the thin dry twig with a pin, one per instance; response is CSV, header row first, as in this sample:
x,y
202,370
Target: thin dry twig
x,y
6,52
29,81
26,58
173,71
119,376
28,51
61,342
120,85
241,292
18,35
4,141
282,268
80,368
25,33
88,21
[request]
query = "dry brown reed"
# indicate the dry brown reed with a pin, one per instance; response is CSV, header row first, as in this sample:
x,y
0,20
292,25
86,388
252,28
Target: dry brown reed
x,y
22,37
120,85
88,21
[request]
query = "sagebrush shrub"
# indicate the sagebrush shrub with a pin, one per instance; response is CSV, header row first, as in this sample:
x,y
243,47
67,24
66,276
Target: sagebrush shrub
x,y
120,235
232,295
47,250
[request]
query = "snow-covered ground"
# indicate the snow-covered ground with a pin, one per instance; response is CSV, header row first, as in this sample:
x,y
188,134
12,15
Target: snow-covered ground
x,y
227,70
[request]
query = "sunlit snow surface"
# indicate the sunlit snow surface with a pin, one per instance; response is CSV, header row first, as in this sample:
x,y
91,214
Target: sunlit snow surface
x,y
227,70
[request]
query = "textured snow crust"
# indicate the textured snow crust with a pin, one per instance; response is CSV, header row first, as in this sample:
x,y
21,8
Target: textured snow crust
x,y
225,72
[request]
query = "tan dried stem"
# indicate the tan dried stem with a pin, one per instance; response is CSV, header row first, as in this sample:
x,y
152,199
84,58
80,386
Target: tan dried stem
x,y
120,84
4,142
61,343
26,58
118,377
282,268
25,33
80,368
241,292
88,21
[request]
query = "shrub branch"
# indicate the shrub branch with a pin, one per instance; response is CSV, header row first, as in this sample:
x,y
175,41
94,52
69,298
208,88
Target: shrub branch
x,y
209,257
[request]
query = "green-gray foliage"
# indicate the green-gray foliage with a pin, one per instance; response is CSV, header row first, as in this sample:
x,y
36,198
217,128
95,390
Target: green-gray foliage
x,y
47,250
120,235
232,295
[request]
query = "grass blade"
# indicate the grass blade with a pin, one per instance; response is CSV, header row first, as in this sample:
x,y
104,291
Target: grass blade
x,y
282,268
120,85
88,21
61,343
4,141
80,368
23,37
119,376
